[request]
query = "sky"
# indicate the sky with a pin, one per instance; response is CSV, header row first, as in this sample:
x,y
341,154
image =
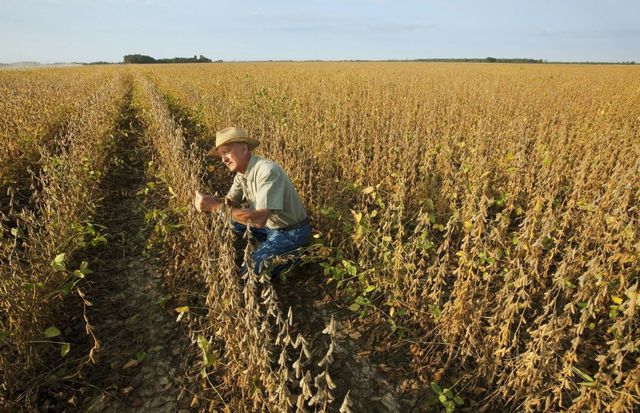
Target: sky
x,y
91,30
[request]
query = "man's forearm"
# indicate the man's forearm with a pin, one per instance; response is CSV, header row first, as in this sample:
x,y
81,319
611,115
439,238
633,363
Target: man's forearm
x,y
258,218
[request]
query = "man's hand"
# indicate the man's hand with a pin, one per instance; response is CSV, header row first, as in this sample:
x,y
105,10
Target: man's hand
x,y
206,203
198,202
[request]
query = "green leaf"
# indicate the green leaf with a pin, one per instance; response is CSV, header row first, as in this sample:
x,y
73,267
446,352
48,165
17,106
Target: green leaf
x,y
66,289
52,332
448,393
140,356
435,311
436,389
59,267
370,288
458,400
582,374
429,205
64,349
58,263
203,343
354,307
362,300
589,384
206,356
32,286
351,269
442,398
90,229
100,239
84,268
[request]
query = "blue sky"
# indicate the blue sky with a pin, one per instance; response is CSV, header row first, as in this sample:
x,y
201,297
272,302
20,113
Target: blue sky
x,y
86,30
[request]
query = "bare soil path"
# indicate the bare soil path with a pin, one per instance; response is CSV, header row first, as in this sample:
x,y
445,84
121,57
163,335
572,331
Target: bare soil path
x,y
139,364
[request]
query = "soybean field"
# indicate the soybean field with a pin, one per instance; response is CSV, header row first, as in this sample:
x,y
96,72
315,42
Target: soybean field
x,y
476,239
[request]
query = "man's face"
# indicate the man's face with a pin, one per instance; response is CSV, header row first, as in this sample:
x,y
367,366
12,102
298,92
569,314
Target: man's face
x,y
235,156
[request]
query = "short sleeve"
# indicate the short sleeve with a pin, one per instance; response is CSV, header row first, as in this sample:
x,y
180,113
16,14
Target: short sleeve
x,y
270,190
235,192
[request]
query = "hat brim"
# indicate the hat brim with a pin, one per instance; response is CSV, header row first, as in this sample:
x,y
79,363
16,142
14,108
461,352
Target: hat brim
x,y
249,141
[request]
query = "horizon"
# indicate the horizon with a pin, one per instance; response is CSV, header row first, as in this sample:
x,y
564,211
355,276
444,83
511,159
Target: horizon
x,y
514,60
66,31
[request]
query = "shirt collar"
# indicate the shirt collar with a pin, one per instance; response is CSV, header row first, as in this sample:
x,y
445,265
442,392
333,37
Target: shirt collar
x,y
252,161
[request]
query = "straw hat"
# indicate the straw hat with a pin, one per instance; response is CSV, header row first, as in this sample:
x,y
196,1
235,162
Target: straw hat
x,y
231,135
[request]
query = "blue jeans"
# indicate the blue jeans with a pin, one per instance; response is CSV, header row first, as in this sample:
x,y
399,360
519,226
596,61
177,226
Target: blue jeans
x,y
274,242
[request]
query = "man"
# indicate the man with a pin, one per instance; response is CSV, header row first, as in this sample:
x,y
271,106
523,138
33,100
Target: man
x,y
275,215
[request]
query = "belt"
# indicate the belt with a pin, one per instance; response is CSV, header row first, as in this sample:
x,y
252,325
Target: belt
x,y
295,226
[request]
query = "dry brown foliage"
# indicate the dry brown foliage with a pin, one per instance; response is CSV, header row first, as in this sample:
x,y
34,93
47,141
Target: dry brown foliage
x,y
497,205
35,106
33,286
489,210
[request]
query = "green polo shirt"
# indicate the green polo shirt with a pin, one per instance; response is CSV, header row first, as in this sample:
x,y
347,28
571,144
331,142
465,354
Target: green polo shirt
x,y
265,185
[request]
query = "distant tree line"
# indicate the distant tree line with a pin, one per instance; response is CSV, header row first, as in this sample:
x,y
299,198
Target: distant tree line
x,y
143,59
485,60
517,60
